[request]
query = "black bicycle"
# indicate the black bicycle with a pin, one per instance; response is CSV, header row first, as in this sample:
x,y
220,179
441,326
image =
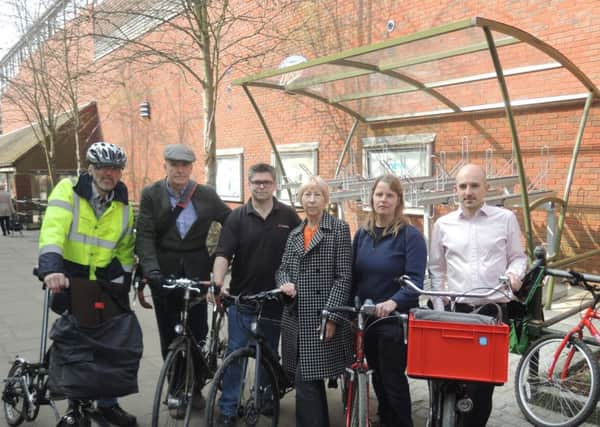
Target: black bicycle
x,y
263,381
189,365
26,389
475,347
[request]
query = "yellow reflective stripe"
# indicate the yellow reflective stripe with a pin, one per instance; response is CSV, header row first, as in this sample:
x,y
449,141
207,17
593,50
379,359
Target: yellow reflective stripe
x,y
75,236
46,249
124,222
60,204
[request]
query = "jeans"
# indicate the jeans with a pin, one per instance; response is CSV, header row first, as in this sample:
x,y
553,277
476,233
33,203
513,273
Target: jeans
x,y
238,324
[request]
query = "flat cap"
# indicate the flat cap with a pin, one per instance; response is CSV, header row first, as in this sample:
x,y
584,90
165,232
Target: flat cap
x,y
180,152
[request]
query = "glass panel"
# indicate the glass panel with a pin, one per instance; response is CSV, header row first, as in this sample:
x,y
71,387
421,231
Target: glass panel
x,y
543,84
475,93
425,47
473,65
412,103
361,86
314,75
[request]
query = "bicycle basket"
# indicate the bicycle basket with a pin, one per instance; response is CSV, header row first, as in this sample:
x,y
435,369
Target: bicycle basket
x,y
457,346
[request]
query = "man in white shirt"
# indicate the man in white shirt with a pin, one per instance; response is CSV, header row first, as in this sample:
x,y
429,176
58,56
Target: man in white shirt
x,y
470,249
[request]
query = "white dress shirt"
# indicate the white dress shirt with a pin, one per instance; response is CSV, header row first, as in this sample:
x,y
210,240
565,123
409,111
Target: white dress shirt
x,y
470,254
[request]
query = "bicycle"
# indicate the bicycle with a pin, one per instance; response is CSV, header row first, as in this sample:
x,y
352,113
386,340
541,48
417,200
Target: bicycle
x,y
26,388
476,344
557,379
264,381
355,381
189,365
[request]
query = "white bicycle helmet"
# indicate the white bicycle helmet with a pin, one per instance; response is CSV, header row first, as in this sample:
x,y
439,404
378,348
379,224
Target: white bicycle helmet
x,y
106,154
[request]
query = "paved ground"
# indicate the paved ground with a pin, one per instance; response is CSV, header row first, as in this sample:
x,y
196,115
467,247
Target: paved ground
x,y
20,323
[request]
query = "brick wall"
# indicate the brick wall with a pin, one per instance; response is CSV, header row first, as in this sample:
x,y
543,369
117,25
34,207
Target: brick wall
x,y
571,26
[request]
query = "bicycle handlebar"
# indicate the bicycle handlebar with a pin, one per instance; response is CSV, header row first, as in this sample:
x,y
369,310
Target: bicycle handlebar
x,y
186,283
503,287
572,275
367,308
260,297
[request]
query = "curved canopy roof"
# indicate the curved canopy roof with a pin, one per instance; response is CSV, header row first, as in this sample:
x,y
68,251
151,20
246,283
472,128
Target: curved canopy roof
x,y
448,70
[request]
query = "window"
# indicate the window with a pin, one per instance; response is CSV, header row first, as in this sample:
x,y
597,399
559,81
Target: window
x,y
299,162
118,23
402,155
230,174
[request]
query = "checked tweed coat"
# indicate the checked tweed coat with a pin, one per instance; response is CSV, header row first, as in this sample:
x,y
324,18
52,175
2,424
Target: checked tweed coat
x,y
322,275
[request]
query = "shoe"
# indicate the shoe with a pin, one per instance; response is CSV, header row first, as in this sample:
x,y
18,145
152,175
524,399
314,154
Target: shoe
x,y
225,420
117,416
198,401
267,408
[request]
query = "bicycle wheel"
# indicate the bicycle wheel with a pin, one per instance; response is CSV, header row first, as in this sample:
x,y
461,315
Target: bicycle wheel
x,y
254,407
566,398
13,396
449,408
216,343
361,402
175,389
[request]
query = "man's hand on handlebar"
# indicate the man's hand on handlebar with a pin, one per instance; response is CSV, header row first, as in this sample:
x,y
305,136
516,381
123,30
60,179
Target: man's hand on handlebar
x,y
56,282
384,309
515,282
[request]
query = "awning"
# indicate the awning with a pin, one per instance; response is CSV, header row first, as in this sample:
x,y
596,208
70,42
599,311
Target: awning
x,y
19,142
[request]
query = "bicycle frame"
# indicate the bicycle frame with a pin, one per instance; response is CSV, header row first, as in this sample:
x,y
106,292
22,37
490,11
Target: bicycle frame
x,y
359,365
585,323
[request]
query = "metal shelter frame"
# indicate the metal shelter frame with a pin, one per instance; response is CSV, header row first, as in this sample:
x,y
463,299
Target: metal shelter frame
x,y
456,70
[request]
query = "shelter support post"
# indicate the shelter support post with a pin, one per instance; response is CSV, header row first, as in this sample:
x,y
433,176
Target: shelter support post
x,y
568,184
515,139
271,142
345,149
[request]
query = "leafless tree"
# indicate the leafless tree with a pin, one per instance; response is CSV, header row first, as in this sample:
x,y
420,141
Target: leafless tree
x,y
207,39
46,86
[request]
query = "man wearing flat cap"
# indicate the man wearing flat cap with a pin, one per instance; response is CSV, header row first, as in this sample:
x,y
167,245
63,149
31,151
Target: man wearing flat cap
x,y
174,219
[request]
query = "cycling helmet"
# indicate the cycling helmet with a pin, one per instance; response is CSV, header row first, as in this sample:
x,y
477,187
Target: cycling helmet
x,y
106,154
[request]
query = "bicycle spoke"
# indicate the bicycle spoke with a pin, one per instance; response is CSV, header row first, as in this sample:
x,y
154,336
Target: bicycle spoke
x,y
557,387
175,390
13,396
251,406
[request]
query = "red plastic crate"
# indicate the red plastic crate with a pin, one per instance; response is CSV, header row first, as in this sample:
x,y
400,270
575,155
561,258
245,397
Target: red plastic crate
x,y
461,351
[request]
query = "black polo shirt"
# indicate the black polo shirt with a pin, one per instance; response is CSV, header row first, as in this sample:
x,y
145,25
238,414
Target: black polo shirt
x,y
256,245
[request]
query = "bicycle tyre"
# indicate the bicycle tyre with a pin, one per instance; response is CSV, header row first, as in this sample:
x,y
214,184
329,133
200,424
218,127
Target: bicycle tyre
x,y
248,410
449,409
173,397
15,411
216,345
363,400
557,402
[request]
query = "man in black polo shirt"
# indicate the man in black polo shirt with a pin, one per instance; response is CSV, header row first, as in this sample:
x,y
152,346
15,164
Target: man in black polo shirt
x,y
253,238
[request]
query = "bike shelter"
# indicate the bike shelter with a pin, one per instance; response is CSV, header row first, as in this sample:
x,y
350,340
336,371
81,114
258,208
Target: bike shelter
x,y
458,71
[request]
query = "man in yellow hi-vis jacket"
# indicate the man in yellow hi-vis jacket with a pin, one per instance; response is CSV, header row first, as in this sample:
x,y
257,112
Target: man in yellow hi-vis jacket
x,y
88,233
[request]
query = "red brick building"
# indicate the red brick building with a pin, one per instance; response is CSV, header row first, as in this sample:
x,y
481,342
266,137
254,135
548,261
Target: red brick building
x,y
312,134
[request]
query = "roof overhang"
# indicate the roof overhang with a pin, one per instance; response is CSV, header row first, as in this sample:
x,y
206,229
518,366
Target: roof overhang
x,y
445,71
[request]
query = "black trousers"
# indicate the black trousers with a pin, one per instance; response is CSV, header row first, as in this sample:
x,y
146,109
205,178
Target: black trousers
x,y
4,224
167,309
480,393
311,402
386,356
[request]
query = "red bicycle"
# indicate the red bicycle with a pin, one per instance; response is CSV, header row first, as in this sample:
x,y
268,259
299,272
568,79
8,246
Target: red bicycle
x,y
557,383
356,379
